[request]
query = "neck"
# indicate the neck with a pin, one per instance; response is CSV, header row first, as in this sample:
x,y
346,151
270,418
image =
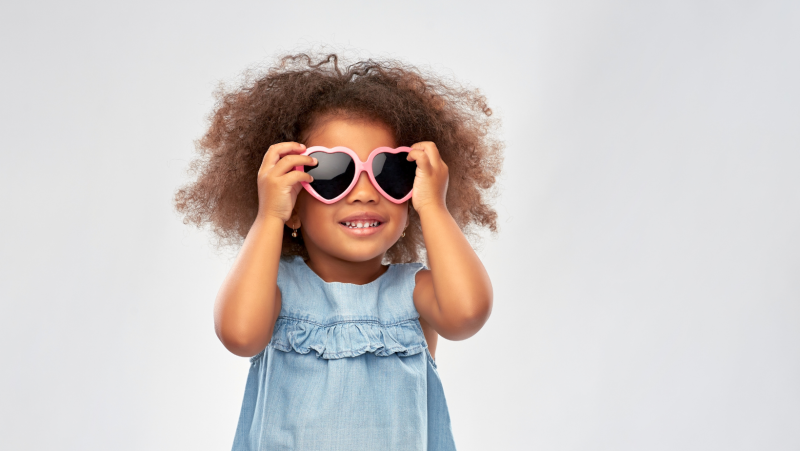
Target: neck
x,y
333,269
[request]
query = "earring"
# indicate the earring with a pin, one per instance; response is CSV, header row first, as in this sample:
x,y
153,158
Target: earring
x,y
294,232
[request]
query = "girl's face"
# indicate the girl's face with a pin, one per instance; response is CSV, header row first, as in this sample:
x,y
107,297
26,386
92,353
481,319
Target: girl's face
x,y
324,226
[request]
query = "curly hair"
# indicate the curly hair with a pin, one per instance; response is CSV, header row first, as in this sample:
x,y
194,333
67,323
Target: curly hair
x,y
291,98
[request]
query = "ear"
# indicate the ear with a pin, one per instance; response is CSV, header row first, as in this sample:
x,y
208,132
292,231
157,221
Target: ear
x,y
294,220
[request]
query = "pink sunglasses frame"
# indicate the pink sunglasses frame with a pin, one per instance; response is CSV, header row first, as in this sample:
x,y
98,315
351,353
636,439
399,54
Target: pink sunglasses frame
x,y
361,166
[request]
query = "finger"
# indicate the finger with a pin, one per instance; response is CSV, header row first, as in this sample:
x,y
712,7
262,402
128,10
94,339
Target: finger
x,y
430,149
419,156
277,151
296,177
288,163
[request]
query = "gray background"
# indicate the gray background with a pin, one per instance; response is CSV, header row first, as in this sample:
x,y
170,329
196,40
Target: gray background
x,y
646,274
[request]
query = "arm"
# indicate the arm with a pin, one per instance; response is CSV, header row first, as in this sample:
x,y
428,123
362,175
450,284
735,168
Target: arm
x,y
455,296
249,301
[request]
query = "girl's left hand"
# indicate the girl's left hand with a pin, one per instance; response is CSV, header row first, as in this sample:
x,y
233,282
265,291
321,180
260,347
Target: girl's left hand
x,y
430,183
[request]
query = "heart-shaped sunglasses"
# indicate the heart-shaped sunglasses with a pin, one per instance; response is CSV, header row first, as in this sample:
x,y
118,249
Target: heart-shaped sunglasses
x,y
338,169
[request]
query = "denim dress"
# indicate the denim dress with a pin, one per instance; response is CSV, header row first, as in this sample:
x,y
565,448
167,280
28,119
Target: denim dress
x,y
370,382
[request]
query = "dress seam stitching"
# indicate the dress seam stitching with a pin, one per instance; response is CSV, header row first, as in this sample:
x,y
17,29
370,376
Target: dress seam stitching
x,y
348,321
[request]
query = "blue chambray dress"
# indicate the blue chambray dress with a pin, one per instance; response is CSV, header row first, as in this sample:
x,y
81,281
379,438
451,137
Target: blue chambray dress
x,y
370,384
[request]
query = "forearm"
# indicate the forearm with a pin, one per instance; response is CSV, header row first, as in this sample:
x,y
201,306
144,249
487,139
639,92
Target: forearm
x,y
461,284
247,304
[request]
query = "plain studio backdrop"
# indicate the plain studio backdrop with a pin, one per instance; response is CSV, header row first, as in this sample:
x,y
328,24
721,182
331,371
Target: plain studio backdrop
x,y
646,271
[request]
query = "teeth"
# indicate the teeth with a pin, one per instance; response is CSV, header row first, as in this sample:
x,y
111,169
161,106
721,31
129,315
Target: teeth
x,y
361,225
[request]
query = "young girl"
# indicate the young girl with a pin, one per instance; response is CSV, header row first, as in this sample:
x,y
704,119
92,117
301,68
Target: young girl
x,y
337,179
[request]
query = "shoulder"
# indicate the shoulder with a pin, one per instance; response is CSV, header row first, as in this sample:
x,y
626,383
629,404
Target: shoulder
x,y
425,302
425,297
291,275
289,261
423,288
407,269
402,277
288,266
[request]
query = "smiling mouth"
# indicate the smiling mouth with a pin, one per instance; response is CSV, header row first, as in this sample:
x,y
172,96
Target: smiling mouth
x,y
360,224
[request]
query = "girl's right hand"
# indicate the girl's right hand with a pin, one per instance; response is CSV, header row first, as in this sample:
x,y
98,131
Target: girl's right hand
x,y
278,182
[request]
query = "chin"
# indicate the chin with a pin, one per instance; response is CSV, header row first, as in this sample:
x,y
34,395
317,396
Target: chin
x,y
352,255
357,252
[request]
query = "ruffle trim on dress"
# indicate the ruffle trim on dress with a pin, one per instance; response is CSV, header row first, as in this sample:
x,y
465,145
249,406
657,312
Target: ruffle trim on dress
x,y
348,338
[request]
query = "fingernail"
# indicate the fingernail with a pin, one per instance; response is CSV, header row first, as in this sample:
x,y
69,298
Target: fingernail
x,y
303,146
314,159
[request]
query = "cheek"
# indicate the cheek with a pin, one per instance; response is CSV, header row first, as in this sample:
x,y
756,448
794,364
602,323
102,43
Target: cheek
x,y
314,214
400,215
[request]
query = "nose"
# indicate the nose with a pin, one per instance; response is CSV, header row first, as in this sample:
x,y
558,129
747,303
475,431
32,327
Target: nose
x,y
363,191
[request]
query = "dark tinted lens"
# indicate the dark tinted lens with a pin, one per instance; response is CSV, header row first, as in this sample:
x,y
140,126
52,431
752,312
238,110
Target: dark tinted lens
x,y
333,173
394,173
